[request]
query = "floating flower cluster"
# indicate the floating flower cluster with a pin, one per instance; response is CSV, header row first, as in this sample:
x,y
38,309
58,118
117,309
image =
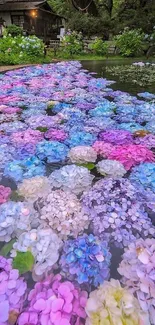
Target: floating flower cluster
x,y
111,168
56,134
116,213
86,259
34,187
15,218
131,155
116,137
27,136
71,178
147,141
137,269
44,244
80,139
5,193
12,292
55,301
102,148
144,176
52,151
112,305
62,212
27,168
82,154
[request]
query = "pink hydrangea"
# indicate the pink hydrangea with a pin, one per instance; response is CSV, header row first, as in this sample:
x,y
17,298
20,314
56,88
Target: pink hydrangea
x,y
12,292
55,134
4,194
12,110
55,302
131,155
27,136
102,148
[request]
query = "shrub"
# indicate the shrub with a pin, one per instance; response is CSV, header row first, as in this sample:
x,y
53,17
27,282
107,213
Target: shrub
x,y
14,30
130,42
20,49
99,47
72,43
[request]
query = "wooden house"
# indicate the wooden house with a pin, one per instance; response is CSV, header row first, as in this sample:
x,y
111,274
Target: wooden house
x,y
35,17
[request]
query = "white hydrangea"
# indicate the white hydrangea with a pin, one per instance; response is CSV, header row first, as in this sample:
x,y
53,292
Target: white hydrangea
x,y
34,187
82,154
111,168
62,211
44,244
72,178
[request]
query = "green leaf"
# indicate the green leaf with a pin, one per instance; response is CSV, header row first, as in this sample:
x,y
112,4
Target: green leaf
x,y
89,166
7,248
23,262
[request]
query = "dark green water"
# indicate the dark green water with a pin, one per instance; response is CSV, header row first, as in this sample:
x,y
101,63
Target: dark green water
x,y
100,68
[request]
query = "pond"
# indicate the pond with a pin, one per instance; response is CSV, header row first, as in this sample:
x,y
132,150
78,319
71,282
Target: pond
x,y
77,193
100,68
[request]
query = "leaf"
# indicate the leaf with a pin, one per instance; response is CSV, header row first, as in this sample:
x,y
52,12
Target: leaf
x,y
89,166
23,262
7,248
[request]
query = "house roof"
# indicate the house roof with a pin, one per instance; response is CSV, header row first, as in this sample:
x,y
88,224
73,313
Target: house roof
x,y
26,5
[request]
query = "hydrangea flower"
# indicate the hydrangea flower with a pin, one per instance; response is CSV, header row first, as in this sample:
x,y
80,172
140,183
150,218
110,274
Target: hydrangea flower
x,y
55,301
5,193
26,168
80,138
12,292
86,260
144,176
34,187
137,270
43,121
26,137
71,178
103,149
116,137
12,127
147,141
7,153
55,134
131,155
62,212
44,244
150,126
53,151
116,213
82,154
112,305
111,168
131,126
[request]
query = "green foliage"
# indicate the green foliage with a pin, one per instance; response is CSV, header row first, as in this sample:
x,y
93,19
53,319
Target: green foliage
x,y
130,42
14,30
20,49
7,248
72,43
89,166
23,262
99,47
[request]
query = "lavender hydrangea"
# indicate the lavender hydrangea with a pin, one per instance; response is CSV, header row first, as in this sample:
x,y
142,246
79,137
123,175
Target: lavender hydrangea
x,y
116,213
116,137
137,270
86,260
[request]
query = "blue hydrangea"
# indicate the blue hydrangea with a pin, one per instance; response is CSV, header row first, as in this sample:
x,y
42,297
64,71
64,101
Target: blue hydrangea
x,y
21,169
86,260
80,138
144,176
52,151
